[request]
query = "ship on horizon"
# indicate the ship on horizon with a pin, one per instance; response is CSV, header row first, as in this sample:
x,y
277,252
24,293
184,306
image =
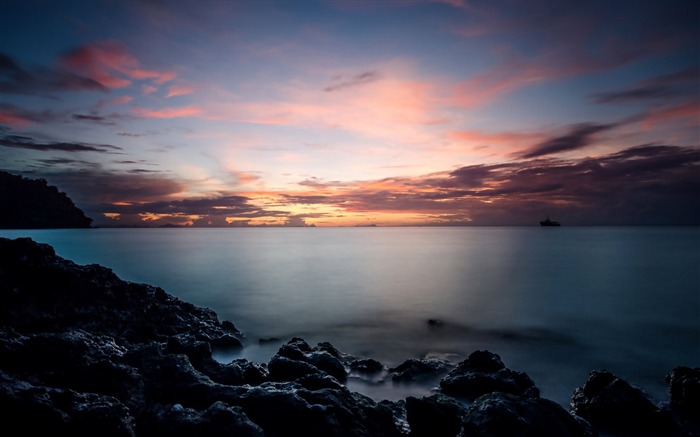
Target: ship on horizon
x,y
549,222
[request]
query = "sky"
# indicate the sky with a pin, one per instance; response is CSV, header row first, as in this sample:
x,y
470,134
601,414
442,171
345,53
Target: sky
x,y
356,113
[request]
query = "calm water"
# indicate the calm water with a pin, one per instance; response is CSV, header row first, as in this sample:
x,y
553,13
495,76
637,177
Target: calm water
x,y
553,302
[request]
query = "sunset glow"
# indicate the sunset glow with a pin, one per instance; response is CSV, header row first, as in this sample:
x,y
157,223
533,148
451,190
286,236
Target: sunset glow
x,y
354,113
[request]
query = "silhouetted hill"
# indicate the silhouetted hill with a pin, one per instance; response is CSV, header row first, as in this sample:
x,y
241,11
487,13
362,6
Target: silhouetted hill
x,y
32,203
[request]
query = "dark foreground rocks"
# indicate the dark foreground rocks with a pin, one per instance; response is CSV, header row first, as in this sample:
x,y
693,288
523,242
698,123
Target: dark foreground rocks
x,y
85,353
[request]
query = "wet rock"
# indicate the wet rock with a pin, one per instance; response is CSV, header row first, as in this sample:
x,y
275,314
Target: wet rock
x,y
415,370
502,414
434,416
366,366
318,358
684,390
38,410
253,373
286,369
178,421
614,406
483,372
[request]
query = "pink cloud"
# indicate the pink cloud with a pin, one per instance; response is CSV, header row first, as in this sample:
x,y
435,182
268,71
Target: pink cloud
x,y
147,90
121,100
111,64
689,110
187,111
179,90
14,120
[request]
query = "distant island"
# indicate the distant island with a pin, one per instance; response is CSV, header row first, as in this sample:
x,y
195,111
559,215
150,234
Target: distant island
x,y
34,204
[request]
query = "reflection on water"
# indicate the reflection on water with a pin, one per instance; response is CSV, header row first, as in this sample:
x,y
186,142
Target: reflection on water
x,y
554,302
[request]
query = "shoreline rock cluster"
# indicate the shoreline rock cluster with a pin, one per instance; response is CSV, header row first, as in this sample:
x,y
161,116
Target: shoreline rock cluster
x,y
83,352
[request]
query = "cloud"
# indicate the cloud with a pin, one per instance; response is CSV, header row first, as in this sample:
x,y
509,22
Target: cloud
x,y
110,64
15,79
98,119
20,118
179,90
22,142
579,136
653,184
348,82
187,111
573,41
121,100
680,83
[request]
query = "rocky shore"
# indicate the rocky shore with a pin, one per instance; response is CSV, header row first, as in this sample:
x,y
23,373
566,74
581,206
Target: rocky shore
x,y
83,352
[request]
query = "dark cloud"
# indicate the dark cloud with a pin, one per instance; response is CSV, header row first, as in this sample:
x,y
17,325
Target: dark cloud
x,y
646,185
16,116
98,119
358,79
578,137
15,79
22,142
680,83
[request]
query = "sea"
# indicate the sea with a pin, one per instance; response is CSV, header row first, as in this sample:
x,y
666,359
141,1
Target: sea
x,y
555,302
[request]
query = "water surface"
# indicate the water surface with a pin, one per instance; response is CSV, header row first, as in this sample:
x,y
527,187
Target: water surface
x,y
553,302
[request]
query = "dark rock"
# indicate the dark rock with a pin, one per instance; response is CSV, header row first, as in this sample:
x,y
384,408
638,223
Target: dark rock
x,y
32,203
684,388
286,369
501,414
299,351
38,410
614,406
253,373
434,416
483,372
178,421
434,322
327,347
366,366
269,340
328,363
414,370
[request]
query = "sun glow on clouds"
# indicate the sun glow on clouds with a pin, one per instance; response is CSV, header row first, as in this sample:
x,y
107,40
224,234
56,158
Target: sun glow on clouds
x,y
459,113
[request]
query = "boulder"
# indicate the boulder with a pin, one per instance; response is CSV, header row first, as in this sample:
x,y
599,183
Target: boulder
x,y
179,421
368,365
614,406
483,372
324,358
416,370
502,414
434,416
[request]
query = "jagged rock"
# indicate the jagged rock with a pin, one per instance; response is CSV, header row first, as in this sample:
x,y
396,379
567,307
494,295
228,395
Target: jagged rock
x,y
612,405
178,421
414,370
43,292
297,350
502,414
35,409
286,369
483,372
684,388
434,416
368,365
32,203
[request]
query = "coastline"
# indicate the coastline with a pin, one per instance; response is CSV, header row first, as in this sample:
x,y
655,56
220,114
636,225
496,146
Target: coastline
x,y
81,334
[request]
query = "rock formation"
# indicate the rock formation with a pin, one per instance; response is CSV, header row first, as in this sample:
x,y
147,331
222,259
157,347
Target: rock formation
x,y
32,203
